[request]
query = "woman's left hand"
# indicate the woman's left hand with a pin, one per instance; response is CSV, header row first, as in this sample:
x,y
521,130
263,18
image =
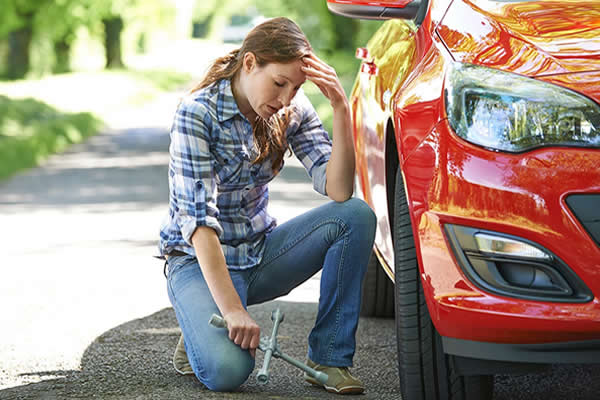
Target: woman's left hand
x,y
326,79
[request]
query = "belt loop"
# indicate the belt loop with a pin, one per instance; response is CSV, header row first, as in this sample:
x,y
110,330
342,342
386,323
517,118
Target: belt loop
x,y
165,269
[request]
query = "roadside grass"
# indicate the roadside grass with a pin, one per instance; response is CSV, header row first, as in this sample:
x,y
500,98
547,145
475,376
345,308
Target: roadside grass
x,y
31,130
39,117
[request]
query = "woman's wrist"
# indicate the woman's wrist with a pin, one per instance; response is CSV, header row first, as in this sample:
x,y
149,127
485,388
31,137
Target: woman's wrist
x,y
341,105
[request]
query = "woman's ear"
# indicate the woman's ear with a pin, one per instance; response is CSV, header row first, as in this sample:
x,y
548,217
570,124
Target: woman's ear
x,y
249,61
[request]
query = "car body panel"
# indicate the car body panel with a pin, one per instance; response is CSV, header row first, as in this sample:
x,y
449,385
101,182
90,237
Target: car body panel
x,y
451,181
484,189
531,38
376,3
371,117
586,83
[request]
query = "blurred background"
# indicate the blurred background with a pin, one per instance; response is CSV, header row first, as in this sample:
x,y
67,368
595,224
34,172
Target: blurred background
x,y
88,89
69,68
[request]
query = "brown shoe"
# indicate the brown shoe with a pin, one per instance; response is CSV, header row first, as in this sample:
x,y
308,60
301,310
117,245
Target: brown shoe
x,y
340,380
180,359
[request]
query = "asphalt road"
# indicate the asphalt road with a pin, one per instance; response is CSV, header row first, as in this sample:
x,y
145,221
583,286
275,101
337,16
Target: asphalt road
x,y
84,307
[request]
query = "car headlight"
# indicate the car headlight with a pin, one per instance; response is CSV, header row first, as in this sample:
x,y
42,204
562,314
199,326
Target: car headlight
x,y
509,112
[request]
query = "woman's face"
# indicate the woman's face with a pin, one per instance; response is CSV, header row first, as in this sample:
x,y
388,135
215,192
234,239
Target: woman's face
x,y
272,86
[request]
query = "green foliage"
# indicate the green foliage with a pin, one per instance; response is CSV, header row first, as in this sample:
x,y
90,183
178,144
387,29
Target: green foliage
x,y
32,130
55,24
16,14
326,31
206,8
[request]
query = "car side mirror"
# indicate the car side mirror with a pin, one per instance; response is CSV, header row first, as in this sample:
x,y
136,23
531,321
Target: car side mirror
x,y
363,9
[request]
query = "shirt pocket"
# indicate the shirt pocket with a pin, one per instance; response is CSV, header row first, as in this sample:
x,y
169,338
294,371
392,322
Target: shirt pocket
x,y
232,168
263,173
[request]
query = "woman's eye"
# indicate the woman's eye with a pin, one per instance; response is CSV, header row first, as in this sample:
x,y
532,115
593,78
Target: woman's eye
x,y
280,84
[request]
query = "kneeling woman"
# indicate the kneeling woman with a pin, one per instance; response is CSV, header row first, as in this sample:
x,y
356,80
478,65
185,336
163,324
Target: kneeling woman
x,y
224,251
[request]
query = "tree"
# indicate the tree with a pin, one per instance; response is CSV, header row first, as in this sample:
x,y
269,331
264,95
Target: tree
x,y
21,21
17,24
59,24
116,14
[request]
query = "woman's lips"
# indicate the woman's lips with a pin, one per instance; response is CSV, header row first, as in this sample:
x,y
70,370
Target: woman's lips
x,y
272,109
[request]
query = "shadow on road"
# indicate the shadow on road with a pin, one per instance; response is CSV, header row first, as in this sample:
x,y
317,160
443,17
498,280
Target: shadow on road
x,y
132,361
124,170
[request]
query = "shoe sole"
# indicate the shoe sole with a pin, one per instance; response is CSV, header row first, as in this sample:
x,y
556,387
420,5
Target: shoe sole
x,y
345,390
180,372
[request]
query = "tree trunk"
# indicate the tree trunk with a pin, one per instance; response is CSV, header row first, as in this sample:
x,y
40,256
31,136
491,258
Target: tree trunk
x,y
112,42
19,42
62,52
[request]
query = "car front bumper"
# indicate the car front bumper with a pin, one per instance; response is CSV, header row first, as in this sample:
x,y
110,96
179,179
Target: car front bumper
x,y
450,181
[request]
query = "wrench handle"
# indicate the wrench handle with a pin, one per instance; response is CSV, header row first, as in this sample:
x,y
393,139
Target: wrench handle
x,y
270,347
322,377
217,321
263,374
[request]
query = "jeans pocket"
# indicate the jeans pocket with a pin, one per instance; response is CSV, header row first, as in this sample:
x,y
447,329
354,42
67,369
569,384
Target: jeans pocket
x,y
175,263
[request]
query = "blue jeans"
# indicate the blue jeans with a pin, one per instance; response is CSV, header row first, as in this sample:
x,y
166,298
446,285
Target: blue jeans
x,y
337,237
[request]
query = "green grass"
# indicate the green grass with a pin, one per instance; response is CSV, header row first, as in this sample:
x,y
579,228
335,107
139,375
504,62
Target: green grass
x,y
39,117
30,130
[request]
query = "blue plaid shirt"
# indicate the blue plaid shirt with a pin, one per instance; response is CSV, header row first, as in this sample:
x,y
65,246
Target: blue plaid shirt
x,y
212,181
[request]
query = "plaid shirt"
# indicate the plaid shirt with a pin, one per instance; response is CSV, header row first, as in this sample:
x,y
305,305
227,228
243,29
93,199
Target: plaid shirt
x,y
212,181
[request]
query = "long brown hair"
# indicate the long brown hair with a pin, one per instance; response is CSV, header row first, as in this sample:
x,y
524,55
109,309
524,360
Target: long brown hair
x,y
277,40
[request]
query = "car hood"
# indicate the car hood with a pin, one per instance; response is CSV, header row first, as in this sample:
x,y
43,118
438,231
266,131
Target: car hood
x,y
533,38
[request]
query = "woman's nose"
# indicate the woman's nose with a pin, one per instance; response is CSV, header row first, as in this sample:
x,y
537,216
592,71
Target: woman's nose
x,y
286,98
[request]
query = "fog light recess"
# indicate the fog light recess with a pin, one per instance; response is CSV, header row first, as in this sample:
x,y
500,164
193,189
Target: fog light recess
x,y
514,267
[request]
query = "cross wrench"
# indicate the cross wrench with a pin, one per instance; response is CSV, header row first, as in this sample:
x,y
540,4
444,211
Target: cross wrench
x,y
269,346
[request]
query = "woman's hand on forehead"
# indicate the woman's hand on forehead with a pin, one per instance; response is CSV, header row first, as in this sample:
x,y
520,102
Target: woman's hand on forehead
x,y
326,79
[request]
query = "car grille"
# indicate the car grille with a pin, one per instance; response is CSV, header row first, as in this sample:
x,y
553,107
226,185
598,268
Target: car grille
x,y
586,208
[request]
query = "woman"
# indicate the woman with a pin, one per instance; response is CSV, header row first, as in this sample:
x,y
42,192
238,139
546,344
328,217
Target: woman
x,y
223,250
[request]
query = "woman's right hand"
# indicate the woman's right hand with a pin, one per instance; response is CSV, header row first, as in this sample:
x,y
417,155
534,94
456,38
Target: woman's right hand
x,y
243,330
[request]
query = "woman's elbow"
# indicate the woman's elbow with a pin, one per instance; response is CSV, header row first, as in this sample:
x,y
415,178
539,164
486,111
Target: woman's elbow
x,y
340,196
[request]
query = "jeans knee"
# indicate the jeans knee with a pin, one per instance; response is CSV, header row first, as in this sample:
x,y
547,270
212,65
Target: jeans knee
x,y
230,373
362,214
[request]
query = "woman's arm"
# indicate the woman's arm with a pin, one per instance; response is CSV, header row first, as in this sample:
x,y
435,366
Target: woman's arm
x,y
243,330
340,168
192,181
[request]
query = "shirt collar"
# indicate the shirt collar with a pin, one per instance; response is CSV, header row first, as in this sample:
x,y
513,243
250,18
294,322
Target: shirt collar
x,y
226,105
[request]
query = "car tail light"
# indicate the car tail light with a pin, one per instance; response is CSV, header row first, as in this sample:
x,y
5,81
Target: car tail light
x,y
514,267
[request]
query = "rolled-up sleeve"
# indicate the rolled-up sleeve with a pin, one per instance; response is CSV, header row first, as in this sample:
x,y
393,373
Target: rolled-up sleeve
x,y
192,183
309,141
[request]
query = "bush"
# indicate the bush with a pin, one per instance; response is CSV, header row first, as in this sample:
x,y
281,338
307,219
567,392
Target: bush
x,y
31,130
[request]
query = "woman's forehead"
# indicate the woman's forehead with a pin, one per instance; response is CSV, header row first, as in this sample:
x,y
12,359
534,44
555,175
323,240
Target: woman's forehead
x,y
290,71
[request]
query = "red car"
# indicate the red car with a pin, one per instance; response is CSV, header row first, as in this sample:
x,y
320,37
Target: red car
x,y
477,136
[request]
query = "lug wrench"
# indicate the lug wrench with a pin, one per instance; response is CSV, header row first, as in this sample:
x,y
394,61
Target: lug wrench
x,y
269,346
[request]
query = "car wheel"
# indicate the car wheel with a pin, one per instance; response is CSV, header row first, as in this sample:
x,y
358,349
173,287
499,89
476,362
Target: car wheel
x,y
426,372
377,292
